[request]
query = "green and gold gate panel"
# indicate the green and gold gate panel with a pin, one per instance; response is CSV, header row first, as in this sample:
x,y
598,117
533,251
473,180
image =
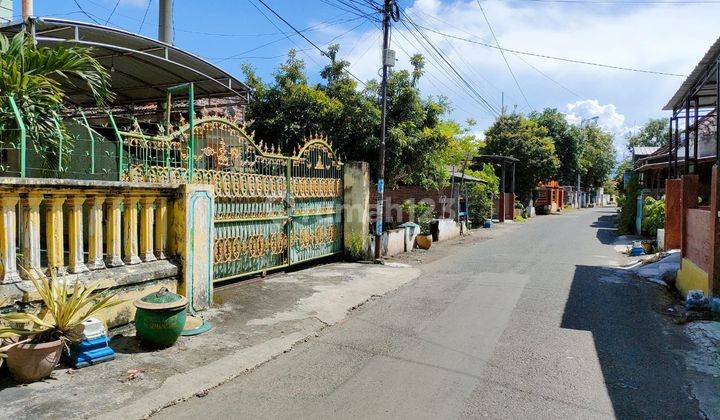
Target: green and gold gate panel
x,y
271,210
316,190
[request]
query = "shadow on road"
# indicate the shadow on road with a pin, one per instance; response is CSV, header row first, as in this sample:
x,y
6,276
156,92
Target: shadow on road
x,y
643,376
605,225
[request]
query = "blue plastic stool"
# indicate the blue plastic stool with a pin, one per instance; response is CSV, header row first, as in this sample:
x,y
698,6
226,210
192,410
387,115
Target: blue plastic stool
x,y
91,351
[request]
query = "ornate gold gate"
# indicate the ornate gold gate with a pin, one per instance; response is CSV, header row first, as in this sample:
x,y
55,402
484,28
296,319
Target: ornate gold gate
x,y
271,210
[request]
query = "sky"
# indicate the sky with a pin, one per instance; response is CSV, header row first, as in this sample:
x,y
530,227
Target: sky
x,y
618,33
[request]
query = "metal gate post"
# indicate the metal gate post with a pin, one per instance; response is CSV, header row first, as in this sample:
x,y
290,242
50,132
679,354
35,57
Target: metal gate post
x,y
289,204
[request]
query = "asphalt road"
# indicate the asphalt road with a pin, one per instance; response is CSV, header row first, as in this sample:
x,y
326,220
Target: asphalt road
x,y
531,324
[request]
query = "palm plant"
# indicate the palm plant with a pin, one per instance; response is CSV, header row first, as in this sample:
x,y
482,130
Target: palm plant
x,y
64,310
33,75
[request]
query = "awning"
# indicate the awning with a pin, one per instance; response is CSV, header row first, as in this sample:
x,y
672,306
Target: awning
x,y
141,68
702,74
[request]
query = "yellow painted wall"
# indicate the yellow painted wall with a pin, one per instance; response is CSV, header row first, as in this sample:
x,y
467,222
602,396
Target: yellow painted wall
x,y
692,277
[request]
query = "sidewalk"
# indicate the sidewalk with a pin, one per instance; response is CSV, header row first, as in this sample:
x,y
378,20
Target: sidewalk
x,y
254,322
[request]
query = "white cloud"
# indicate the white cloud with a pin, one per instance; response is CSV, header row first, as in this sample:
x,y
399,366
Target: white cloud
x,y
632,36
608,116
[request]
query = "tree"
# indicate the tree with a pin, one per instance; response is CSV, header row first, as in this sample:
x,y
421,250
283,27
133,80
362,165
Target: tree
x,y
285,112
567,140
528,141
598,156
654,133
418,63
33,76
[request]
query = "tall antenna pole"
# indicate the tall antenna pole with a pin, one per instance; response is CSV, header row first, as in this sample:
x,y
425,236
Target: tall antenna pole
x,y
388,59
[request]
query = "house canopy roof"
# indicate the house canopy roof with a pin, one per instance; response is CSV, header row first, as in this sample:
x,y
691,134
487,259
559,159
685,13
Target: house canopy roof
x,y
703,77
141,68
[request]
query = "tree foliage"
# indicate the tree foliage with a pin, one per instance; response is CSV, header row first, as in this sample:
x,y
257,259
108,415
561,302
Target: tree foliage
x,y
288,109
567,140
33,76
654,133
598,156
528,141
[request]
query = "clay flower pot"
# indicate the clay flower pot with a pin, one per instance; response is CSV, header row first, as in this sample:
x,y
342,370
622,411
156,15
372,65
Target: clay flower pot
x,y
33,362
423,241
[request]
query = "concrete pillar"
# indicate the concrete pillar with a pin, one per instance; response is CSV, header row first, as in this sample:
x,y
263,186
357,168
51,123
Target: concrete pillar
x,y
689,200
193,229
75,235
714,209
113,238
54,234
130,232
95,234
356,220
31,233
147,217
8,238
161,228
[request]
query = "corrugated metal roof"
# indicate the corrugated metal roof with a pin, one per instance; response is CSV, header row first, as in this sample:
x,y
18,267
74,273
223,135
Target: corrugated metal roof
x,y
459,176
141,68
644,150
697,74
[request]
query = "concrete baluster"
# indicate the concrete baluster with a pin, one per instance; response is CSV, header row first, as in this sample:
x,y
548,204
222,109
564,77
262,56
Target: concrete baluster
x,y
113,237
31,234
146,229
161,228
130,231
75,235
54,234
95,234
8,238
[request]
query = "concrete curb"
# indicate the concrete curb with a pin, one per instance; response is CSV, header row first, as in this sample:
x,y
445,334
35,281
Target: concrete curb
x,y
186,385
329,307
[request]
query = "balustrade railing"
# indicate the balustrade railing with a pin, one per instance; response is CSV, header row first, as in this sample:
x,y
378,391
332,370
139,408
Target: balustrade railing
x,y
77,226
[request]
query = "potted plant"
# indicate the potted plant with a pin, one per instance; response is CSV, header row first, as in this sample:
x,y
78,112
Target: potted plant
x,y
59,322
420,214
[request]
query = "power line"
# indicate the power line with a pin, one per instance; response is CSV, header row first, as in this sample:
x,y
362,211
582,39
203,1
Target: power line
x,y
322,52
636,2
551,79
85,13
479,98
117,3
503,56
142,22
518,56
550,57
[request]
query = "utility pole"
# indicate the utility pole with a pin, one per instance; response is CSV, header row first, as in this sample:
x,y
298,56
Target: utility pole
x,y
388,60
165,22
27,9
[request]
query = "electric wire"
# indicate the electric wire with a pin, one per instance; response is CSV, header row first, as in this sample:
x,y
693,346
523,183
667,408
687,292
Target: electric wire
x,y
117,3
480,98
512,73
142,22
571,91
322,52
551,57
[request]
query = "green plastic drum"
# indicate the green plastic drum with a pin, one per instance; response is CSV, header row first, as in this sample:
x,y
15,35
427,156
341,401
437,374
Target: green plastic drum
x,y
160,318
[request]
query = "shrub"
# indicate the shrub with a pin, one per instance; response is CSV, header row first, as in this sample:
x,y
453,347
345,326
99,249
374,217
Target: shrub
x,y
627,207
355,247
653,215
480,203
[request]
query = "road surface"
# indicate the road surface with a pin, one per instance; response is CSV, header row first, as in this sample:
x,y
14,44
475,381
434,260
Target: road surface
x,y
531,324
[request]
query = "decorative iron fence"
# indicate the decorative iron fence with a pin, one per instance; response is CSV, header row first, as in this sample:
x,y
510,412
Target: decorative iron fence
x,y
271,210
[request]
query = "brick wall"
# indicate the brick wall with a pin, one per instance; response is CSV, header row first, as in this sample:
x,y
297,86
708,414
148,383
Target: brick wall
x,y
673,211
394,198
